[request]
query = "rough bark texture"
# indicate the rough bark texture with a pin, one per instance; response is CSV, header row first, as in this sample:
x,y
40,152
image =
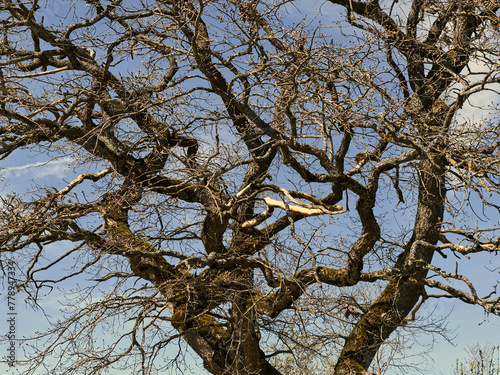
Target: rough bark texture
x,y
239,174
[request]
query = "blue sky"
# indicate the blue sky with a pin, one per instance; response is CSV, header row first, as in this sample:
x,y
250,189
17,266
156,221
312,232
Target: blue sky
x,y
468,324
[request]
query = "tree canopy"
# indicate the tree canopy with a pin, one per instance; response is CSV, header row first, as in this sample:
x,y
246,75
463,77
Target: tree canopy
x,y
249,179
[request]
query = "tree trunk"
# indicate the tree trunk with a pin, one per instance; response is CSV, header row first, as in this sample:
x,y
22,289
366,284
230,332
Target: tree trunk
x,y
401,295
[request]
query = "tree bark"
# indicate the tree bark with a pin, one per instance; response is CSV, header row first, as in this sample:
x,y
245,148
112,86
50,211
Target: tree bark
x,y
400,296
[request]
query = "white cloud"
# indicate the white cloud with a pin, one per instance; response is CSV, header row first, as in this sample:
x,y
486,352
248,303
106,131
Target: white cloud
x,y
56,167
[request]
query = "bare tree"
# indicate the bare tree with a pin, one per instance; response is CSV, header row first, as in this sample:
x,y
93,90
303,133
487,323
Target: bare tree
x,y
242,168
481,361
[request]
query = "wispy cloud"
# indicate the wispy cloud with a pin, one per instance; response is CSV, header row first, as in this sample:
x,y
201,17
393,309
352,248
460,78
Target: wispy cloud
x,y
57,167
